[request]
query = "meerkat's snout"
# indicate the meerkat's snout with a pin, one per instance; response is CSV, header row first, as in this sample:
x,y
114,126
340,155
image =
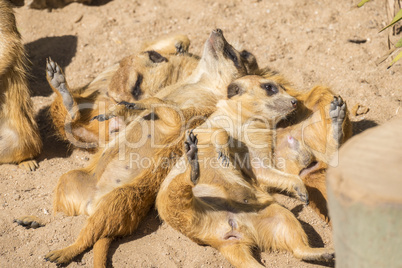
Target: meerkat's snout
x,y
294,103
217,31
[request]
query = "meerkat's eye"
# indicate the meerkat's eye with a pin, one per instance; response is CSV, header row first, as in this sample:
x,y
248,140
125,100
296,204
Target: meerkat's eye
x,y
156,57
270,88
136,89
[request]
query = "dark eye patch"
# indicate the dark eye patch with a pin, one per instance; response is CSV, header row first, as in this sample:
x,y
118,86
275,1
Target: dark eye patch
x,y
156,57
270,88
245,54
233,90
136,90
229,52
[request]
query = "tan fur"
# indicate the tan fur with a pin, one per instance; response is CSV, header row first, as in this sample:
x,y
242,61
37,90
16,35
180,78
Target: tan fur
x,y
231,213
19,135
310,125
116,195
154,76
168,44
115,85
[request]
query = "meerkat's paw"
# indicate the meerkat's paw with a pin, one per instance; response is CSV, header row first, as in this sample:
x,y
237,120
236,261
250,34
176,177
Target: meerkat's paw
x,y
337,112
190,149
30,222
337,109
301,192
181,47
55,76
190,146
328,256
102,117
59,256
223,155
57,80
132,105
30,165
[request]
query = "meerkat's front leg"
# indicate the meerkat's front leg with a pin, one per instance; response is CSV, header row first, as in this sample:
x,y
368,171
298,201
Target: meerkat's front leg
x,y
191,151
128,108
337,113
57,81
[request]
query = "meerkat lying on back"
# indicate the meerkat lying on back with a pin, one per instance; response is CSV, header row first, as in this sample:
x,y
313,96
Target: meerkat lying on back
x,y
217,205
135,77
19,136
310,137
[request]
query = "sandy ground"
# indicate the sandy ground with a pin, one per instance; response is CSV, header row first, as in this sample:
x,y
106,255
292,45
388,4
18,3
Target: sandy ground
x,y
306,40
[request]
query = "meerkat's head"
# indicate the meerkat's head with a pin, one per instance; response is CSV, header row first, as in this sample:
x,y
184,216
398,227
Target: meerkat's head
x,y
262,97
220,62
129,83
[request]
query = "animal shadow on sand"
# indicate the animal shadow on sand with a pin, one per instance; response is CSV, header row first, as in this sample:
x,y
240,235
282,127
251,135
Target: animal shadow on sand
x,y
41,4
53,146
149,225
60,48
362,125
314,238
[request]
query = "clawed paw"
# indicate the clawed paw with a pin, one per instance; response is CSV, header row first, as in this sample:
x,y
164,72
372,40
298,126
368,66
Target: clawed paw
x,y
302,193
57,256
131,105
328,256
179,48
101,117
30,222
30,165
225,158
54,73
337,109
190,145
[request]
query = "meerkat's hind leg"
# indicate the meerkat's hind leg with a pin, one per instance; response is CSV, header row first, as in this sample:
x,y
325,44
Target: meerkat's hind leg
x,y
337,112
277,228
120,109
57,80
29,165
240,255
191,151
30,222
314,254
102,117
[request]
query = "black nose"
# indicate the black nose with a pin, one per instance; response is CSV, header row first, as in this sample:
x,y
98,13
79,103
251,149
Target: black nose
x,y
218,31
294,103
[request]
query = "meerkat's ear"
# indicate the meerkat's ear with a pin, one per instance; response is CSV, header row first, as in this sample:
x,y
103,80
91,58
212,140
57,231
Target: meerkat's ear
x,y
233,90
155,56
250,62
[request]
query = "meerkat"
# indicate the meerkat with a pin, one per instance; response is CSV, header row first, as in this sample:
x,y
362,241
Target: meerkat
x,y
19,135
309,138
215,204
135,77
115,191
